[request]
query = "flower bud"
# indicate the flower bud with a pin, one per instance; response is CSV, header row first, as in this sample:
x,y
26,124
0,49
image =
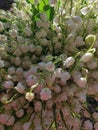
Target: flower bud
x,y
45,94
29,96
26,126
50,66
17,126
11,70
86,57
1,26
19,71
37,106
3,38
52,2
4,99
8,84
20,113
69,62
84,10
17,61
10,121
82,82
96,125
13,33
28,31
65,76
20,87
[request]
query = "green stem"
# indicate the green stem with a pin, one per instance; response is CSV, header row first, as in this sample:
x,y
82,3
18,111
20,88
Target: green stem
x,y
51,125
71,6
42,121
11,99
63,120
54,114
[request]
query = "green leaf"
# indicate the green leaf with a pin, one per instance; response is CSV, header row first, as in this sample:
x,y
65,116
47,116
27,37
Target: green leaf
x,y
30,1
59,3
52,12
46,8
42,4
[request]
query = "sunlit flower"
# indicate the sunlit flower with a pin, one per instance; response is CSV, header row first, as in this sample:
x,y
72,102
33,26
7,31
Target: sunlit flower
x,y
29,96
86,57
69,62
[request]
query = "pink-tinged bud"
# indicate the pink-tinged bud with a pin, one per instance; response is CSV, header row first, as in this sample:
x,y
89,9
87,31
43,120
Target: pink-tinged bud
x,y
37,106
50,66
42,65
81,82
31,48
49,104
3,118
11,70
26,74
52,2
38,88
13,33
20,88
96,126
32,70
17,52
24,48
88,125
86,113
65,76
26,126
31,80
20,113
10,121
28,31
17,61
19,71
58,72
82,97
7,107
95,116
39,23
57,89
8,84
17,126
65,111
45,94
63,96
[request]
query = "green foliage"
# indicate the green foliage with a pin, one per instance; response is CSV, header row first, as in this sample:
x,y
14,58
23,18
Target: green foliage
x,y
42,6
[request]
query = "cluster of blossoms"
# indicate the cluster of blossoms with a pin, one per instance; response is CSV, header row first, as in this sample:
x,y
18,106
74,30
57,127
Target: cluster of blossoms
x,y
48,67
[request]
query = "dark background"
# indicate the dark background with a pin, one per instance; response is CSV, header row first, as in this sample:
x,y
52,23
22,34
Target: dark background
x,y
6,4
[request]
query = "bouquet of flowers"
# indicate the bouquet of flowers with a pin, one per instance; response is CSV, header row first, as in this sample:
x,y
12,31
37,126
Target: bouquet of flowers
x,y
49,65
